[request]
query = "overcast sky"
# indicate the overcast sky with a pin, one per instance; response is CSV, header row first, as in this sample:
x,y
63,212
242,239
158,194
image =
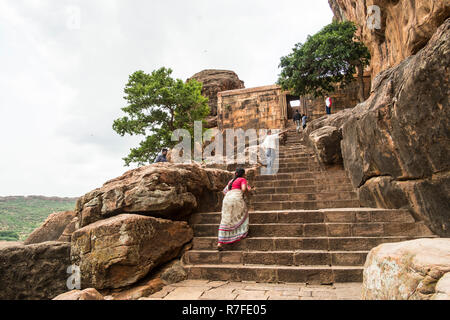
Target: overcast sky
x,y
64,64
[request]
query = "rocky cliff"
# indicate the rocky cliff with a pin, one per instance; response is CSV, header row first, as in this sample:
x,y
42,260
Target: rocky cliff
x,y
405,26
215,81
396,145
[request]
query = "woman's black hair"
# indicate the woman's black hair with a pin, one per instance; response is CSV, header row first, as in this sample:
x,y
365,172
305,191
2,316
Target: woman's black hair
x,y
238,174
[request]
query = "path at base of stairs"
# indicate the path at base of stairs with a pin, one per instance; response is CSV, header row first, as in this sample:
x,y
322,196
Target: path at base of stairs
x,y
224,290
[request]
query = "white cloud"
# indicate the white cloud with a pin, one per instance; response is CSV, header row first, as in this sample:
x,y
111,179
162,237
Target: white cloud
x,y
62,87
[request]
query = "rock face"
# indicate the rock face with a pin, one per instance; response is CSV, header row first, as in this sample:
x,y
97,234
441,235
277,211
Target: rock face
x,y
174,274
165,190
52,228
121,250
87,294
443,288
396,144
326,142
215,81
406,26
408,270
33,272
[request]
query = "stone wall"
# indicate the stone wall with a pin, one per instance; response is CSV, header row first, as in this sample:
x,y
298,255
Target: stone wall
x,y
342,98
254,108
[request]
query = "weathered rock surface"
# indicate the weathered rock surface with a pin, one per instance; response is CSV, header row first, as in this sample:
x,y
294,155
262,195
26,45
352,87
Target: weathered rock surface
x,y
334,120
73,225
52,228
165,190
144,289
326,142
174,274
443,288
86,294
215,81
33,272
407,270
121,250
396,144
406,26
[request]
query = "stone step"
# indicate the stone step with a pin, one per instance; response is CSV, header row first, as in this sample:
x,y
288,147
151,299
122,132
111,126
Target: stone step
x,y
304,189
283,183
301,175
296,154
359,229
298,164
275,274
350,215
300,183
281,258
343,195
298,169
301,243
303,205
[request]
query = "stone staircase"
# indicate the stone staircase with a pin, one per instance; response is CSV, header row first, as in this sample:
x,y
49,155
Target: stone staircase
x,y
306,225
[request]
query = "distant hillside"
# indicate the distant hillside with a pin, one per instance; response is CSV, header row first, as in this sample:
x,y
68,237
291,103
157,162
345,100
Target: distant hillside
x,y
19,215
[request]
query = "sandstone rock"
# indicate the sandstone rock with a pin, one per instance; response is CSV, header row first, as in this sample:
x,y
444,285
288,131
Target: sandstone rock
x,y
121,250
326,142
163,190
174,274
401,133
443,288
406,27
87,294
70,228
406,270
334,120
33,272
215,81
142,290
52,228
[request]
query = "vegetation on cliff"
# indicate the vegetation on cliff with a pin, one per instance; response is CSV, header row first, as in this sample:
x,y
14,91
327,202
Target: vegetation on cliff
x,y
329,57
158,105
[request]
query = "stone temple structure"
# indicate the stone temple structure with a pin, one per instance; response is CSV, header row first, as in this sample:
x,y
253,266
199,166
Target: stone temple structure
x,y
269,107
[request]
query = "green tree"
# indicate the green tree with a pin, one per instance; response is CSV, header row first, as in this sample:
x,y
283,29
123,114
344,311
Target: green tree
x,y
331,56
158,105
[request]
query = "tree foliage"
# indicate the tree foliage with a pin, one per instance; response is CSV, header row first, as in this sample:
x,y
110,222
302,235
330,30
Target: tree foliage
x,y
158,105
330,56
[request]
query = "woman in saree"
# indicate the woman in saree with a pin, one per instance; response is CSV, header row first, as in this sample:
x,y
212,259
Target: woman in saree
x,y
234,224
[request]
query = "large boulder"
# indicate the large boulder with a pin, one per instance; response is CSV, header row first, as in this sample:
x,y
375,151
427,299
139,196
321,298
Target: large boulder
x,y
165,190
52,228
396,144
33,272
406,26
215,81
326,142
333,120
411,270
119,251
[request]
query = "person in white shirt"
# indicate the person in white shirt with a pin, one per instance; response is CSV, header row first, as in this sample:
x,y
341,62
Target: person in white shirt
x,y
328,104
270,146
